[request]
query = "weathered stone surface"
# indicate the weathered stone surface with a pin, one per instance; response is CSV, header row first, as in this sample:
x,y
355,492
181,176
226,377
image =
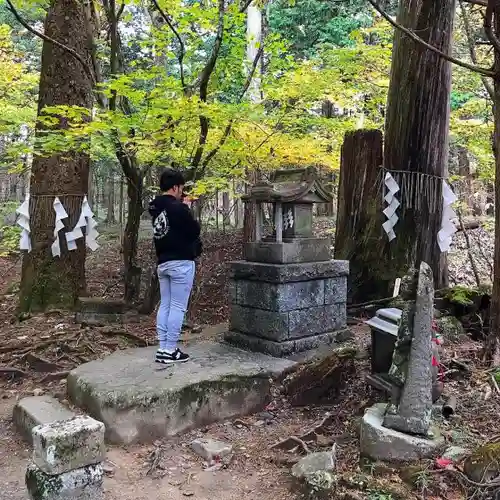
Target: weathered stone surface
x,y
72,444
211,449
456,453
38,410
78,484
266,324
312,463
284,348
289,251
381,443
287,273
450,328
140,402
99,311
281,296
316,320
414,412
336,290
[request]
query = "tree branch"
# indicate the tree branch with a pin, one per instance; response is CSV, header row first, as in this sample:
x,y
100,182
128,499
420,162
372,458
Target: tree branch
x,y
46,38
470,40
182,48
416,38
204,80
229,126
488,22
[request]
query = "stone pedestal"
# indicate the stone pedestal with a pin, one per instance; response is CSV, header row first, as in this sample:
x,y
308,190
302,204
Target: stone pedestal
x,y
382,443
67,459
281,309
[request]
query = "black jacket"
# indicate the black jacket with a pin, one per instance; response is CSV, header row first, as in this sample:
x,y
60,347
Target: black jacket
x,y
176,232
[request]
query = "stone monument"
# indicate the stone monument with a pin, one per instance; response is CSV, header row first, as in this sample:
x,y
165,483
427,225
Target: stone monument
x,y
287,294
401,430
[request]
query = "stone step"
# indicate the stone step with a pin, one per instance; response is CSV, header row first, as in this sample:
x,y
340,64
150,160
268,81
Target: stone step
x,y
140,401
38,410
391,314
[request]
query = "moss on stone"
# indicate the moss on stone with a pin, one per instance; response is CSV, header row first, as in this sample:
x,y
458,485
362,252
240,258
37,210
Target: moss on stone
x,y
450,328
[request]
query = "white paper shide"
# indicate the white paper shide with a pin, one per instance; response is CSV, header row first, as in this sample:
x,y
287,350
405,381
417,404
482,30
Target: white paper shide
x,y
448,228
85,221
23,221
60,216
392,206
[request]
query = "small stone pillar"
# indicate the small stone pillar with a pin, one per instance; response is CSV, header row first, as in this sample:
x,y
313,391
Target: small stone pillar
x,y
67,458
288,296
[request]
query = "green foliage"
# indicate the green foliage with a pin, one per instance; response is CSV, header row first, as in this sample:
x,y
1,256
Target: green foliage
x,y
309,24
9,240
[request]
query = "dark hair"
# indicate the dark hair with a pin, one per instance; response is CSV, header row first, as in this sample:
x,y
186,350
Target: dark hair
x,y
171,178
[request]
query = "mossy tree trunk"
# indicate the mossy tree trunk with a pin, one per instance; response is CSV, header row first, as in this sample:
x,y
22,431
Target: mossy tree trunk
x,y
359,236
416,133
48,281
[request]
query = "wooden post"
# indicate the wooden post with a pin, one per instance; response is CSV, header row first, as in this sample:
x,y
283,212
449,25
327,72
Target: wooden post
x,y
278,222
258,222
359,234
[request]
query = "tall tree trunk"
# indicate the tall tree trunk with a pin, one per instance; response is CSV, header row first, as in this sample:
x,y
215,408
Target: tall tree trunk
x,y
416,136
254,39
492,344
359,213
110,199
48,281
130,238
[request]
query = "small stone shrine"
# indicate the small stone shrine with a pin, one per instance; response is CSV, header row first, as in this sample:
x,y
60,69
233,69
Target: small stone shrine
x,y
401,430
287,295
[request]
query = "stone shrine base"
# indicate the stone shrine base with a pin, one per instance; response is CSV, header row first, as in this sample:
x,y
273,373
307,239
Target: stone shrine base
x,y
140,401
381,443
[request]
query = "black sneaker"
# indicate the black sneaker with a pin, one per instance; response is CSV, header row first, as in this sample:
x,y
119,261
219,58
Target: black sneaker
x,y
168,358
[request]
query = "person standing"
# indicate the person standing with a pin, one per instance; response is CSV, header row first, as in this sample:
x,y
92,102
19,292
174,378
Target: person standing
x,y
177,241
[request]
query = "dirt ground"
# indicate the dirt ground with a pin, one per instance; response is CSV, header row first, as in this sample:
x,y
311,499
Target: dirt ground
x,y
37,353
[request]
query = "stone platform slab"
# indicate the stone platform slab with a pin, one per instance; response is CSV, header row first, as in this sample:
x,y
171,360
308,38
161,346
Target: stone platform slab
x,y
140,401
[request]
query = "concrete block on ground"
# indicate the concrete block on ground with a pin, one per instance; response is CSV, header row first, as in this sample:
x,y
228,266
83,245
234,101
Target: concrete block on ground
x,y
270,325
72,444
284,348
316,320
288,273
38,410
336,290
381,443
139,401
211,449
281,296
79,484
99,311
288,251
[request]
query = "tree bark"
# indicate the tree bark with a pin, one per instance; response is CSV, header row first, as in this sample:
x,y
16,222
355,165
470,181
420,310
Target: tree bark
x,y
416,134
359,214
492,343
48,281
131,236
110,199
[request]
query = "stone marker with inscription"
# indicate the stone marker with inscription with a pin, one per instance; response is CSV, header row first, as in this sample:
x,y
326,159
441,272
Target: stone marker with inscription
x,y
401,430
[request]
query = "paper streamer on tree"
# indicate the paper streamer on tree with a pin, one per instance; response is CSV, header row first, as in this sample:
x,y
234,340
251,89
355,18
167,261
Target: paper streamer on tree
x,y
448,228
86,220
392,206
23,220
60,215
